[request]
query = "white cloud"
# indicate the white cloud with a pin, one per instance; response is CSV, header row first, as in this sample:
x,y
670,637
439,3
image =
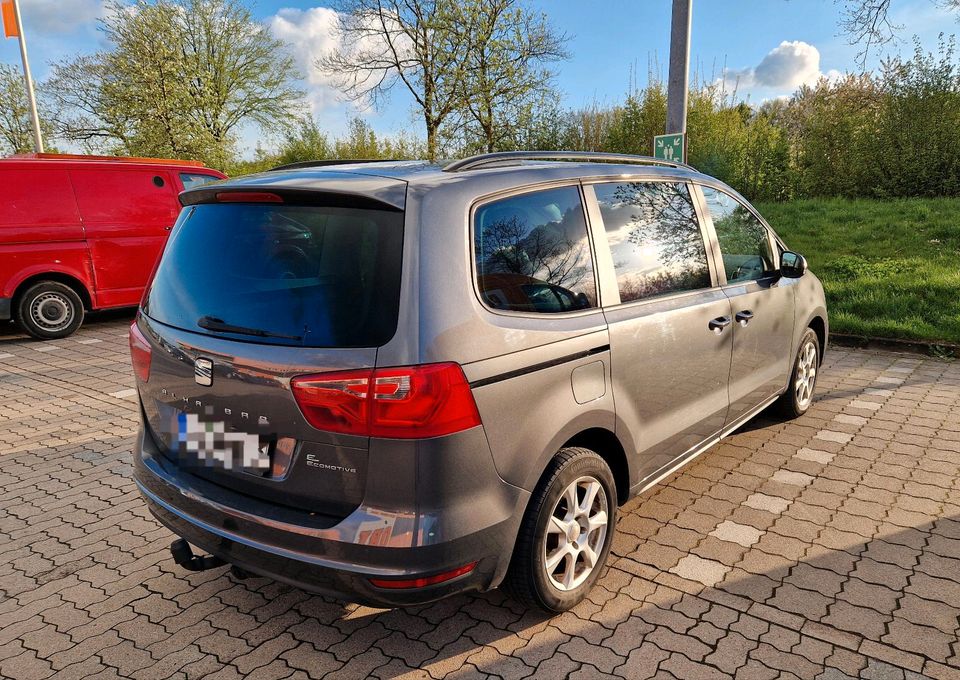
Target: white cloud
x,y
789,65
311,35
783,69
60,16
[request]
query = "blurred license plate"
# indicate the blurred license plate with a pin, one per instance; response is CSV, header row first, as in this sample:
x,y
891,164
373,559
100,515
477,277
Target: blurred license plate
x,y
204,443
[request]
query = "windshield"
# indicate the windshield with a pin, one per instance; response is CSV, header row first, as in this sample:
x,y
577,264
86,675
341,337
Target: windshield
x,y
284,275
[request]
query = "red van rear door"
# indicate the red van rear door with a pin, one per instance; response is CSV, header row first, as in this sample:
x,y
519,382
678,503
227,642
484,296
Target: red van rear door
x,y
127,214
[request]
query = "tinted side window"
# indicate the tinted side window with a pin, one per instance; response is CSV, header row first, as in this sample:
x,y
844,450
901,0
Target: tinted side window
x,y
532,253
744,241
654,238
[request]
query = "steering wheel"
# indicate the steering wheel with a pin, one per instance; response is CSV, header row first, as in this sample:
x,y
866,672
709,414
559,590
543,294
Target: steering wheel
x,y
749,269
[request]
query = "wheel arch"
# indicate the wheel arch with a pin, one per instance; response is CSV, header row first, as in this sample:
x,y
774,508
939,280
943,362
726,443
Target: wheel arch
x,y
819,326
606,445
60,277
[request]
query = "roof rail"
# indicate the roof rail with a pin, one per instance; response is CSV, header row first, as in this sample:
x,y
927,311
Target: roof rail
x,y
486,160
331,161
118,159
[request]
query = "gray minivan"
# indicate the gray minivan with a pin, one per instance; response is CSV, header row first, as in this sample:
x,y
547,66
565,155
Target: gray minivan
x,y
390,382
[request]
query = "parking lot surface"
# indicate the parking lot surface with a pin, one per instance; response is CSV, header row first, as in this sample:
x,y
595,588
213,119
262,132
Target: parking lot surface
x,y
827,547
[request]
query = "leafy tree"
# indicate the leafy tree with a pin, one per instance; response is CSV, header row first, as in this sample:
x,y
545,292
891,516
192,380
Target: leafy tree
x,y
362,142
16,128
917,140
832,128
417,43
305,143
179,78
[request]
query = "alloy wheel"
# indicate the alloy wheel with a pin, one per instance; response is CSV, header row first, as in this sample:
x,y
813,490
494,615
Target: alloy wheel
x,y
575,535
806,376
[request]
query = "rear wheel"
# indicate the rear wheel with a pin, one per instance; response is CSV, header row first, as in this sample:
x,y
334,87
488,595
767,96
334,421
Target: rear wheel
x,y
49,310
803,379
566,532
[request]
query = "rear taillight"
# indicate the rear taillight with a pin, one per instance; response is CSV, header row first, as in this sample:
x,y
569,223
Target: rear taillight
x,y
139,353
410,402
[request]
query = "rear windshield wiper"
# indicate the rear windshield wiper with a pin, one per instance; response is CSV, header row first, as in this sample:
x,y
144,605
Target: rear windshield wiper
x,y
212,323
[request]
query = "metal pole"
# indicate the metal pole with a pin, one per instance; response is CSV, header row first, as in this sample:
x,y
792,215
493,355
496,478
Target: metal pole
x,y
677,83
28,80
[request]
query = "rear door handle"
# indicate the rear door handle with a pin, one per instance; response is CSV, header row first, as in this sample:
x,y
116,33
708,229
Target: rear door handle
x,y
717,325
744,316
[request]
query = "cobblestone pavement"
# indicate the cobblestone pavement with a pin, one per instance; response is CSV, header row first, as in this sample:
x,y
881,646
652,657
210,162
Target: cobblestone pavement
x,y
823,548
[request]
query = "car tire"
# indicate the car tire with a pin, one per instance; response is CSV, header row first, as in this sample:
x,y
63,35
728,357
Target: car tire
x,y
50,310
550,569
798,397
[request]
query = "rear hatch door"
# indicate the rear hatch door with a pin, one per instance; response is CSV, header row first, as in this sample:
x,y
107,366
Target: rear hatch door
x,y
247,295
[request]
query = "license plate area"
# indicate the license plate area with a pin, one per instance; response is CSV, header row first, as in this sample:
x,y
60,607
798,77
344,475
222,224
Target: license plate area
x,y
212,444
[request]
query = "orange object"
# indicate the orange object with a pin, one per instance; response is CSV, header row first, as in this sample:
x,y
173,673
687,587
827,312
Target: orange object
x,y
121,159
9,20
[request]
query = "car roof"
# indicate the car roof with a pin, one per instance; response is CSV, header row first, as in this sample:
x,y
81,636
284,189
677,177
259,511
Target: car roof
x,y
44,160
388,182
424,172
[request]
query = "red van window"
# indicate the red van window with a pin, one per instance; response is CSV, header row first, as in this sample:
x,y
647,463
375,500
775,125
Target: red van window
x,y
125,196
192,180
37,197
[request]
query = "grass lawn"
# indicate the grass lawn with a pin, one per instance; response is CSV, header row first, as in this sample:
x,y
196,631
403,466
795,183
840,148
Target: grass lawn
x,y
891,269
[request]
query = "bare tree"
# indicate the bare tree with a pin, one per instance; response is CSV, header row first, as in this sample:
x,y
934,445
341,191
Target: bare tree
x,y
506,74
868,23
416,43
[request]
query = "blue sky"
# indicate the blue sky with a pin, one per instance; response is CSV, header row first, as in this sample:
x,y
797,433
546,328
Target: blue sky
x,y
766,46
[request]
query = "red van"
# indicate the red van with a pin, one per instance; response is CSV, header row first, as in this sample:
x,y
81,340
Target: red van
x,y
83,232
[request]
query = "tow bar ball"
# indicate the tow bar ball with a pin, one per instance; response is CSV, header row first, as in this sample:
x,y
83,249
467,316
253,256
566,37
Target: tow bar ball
x,y
183,555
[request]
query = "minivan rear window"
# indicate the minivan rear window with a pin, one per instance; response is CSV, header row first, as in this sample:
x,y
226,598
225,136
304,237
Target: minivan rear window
x,y
279,274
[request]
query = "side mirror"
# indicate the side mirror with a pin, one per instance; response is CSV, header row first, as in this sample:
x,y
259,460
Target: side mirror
x,y
792,265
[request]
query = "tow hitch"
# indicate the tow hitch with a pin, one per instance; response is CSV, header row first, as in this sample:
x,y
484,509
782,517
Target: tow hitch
x,y
183,555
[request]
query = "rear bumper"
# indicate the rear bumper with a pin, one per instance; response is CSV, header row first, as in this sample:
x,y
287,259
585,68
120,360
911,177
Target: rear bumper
x,y
6,308
330,557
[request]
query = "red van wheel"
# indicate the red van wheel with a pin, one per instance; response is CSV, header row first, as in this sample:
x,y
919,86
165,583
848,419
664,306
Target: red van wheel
x,y
49,310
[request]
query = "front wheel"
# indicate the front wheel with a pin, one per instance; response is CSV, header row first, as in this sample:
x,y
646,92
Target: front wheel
x,y
566,532
50,310
803,379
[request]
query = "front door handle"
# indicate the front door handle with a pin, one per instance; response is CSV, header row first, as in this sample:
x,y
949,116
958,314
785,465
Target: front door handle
x,y
744,316
717,325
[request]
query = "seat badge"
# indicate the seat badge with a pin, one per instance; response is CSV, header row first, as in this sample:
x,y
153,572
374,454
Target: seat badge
x,y
203,371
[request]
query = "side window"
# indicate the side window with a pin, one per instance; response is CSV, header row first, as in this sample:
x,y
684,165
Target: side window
x,y
192,180
654,237
532,253
744,241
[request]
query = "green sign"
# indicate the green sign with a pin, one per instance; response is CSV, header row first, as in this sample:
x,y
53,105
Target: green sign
x,y
669,147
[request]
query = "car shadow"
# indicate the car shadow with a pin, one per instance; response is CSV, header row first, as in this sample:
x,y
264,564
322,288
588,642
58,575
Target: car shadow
x,y
11,331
